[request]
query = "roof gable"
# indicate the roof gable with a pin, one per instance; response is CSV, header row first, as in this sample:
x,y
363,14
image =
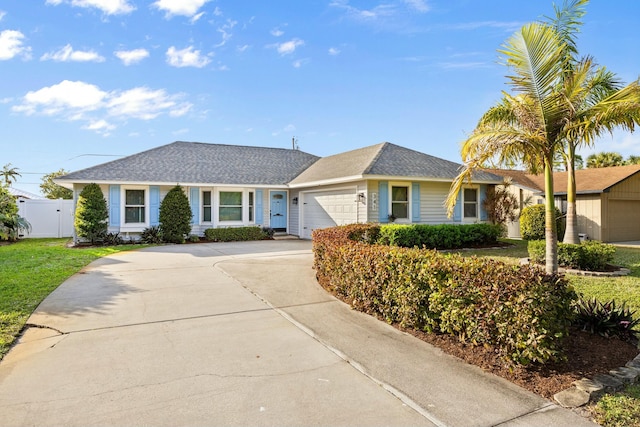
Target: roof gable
x,y
384,159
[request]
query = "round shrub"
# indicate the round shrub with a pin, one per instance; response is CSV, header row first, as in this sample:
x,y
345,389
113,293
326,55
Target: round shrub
x,y
532,223
91,214
175,216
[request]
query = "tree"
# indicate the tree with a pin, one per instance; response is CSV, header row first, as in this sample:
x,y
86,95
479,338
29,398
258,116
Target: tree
x,y
10,222
501,204
527,126
605,159
175,216
51,190
633,160
9,174
597,101
91,214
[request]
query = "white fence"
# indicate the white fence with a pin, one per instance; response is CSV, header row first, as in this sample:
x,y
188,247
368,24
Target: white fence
x,y
48,218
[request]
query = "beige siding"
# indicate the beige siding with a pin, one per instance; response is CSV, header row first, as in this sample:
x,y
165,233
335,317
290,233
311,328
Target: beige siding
x,y
589,212
629,189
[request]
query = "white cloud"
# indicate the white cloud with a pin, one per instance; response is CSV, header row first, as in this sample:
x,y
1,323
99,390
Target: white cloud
x,y
134,56
67,54
287,129
11,45
243,48
187,8
380,11
507,26
224,30
2,14
109,7
417,5
289,47
67,97
187,57
334,51
81,101
300,62
197,16
277,32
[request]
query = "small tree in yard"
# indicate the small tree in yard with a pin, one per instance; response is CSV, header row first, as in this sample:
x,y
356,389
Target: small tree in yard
x,y
175,216
501,205
91,214
51,190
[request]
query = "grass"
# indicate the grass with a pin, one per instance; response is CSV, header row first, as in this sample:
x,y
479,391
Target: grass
x,y
30,270
613,410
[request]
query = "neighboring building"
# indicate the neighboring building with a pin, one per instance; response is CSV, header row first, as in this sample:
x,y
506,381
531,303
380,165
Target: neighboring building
x,y
21,194
607,200
287,190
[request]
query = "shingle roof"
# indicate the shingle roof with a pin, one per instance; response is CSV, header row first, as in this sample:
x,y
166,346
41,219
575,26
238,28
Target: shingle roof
x,y
588,181
384,159
194,162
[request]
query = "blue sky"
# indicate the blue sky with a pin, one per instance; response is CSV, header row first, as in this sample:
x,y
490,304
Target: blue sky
x,y
85,81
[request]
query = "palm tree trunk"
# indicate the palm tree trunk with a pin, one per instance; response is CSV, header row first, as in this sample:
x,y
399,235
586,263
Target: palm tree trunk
x,y
550,232
571,232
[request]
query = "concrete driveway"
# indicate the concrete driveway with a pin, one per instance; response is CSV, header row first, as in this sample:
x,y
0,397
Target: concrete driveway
x,y
236,334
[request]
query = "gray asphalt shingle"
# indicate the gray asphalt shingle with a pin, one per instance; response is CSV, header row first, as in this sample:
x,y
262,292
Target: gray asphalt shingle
x,y
194,162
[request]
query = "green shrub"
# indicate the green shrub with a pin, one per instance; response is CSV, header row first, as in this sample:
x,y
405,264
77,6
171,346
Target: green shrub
x,y
607,319
532,223
91,214
151,235
236,234
589,255
175,216
112,239
519,309
445,236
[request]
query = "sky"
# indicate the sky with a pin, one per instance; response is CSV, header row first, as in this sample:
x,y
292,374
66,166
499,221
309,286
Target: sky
x,y
84,82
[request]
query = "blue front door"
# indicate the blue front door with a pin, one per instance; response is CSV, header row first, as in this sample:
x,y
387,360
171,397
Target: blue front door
x,y
279,210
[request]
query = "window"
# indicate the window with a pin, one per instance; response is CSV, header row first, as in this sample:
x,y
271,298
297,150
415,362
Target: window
x,y
470,203
400,202
134,209
206,206
251,206
230,206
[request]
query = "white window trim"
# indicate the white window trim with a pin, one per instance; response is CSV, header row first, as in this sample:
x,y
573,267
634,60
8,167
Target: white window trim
x,y
138,226
201,207
477,202
245,206
409,188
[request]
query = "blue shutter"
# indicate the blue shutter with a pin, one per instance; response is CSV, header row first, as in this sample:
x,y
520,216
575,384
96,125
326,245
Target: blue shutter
x,y
114,205
483,197
154,205
415,202
258,207
457,210
383,201
195,205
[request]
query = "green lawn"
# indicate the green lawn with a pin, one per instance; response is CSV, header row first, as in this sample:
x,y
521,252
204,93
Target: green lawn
x,y
29,270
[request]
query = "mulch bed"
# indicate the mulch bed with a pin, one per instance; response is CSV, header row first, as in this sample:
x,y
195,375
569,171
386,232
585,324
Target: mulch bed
x,y
587,355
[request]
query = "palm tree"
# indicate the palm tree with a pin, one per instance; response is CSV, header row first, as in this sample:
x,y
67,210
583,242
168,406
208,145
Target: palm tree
x,y
605,159
597,102
9,174
527,126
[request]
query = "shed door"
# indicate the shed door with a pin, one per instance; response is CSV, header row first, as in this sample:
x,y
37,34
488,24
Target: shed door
x,y
327,209
624,222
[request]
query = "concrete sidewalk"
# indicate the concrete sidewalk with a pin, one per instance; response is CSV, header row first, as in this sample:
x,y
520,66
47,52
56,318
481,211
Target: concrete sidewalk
x,y
237,334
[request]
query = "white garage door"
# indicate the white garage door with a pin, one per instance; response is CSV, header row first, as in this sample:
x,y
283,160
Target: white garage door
x,y
328,209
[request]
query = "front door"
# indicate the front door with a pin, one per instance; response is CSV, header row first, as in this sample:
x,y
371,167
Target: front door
x,y
279,210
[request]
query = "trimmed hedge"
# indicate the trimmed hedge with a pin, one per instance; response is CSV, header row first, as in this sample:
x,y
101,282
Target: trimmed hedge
x,y
519,309
533,222
590,255
445,236
236,234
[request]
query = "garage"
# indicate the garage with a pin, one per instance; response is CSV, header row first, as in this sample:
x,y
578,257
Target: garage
x,y
322,209
623,220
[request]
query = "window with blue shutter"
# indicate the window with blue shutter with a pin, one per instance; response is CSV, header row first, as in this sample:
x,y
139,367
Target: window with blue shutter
x,y
114,205
194,201
154,205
